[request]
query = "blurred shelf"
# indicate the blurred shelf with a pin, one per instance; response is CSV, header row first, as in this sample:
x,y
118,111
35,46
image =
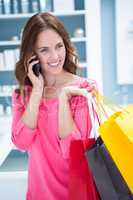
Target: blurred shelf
x,y
17,42
9,43
79,39
5,94
82,65
28,15
15,161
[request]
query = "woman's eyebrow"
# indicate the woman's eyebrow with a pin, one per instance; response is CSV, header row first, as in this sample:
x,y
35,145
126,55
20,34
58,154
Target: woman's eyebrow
x,y
43,47
48,47
59,43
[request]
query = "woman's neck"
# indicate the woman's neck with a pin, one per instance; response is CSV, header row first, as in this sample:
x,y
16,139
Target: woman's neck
x,y
56,80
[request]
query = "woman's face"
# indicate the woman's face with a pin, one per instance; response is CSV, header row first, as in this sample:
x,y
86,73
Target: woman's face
x,y
51,51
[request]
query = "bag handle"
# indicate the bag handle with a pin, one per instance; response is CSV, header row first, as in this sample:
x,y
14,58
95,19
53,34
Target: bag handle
x,y
105,107
93,116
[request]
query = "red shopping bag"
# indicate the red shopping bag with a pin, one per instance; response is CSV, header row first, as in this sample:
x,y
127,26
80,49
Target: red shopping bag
x,y
81,182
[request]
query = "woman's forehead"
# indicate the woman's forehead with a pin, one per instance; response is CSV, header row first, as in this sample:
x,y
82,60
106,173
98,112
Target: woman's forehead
x,y
48,37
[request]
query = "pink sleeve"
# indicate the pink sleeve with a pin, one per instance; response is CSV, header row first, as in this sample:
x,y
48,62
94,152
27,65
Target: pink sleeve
x,y
80,112
22,136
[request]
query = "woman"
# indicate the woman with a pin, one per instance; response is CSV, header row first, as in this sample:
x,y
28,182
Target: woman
x,y
49,110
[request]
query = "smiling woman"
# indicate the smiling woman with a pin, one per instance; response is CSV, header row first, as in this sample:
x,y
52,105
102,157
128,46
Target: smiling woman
x,y
52,54
50,110
45,37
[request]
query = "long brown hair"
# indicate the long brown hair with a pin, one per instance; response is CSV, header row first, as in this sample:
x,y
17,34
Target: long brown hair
x,y
36,24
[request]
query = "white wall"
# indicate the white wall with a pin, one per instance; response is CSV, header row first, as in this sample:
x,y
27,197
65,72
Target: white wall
x,y
13,185
93,33
124,41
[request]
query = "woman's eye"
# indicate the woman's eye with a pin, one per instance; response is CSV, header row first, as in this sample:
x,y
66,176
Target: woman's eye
x,y
44,50
60,45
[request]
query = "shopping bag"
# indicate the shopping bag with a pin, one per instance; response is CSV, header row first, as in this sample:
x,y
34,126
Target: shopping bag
x,y
108,179
117,134
81,182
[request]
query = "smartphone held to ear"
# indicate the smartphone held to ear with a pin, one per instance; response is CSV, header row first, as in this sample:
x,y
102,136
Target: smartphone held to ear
x,y
36,68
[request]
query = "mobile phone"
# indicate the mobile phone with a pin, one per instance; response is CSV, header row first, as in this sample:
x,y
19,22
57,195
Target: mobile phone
x,y
36,68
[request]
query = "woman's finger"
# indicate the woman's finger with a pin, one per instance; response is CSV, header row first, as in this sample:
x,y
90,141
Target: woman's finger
x,y
90,85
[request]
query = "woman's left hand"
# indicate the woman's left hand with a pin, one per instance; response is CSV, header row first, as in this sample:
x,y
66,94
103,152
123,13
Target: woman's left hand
x,y
86,86
90,86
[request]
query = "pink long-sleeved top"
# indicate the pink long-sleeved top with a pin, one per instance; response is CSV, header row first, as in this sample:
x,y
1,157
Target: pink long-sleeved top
x,y
48,154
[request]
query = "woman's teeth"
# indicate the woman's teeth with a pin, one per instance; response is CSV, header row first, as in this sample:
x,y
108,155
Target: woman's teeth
x,y
53,64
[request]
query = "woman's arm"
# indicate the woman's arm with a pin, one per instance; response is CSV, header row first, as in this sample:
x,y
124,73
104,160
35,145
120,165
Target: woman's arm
x,y
30,115
24,121
74,117
75,124
66,122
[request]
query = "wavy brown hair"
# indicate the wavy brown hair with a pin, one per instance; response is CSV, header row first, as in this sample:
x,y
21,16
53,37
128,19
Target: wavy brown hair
x,y
36,24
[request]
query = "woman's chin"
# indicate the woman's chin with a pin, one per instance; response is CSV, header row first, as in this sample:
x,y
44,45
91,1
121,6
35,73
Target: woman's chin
x,y
57,70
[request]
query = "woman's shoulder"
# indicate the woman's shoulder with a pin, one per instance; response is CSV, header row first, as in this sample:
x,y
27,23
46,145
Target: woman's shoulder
x,y
75,80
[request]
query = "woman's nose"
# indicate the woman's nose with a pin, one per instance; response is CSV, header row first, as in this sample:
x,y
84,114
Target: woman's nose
x,y
53,55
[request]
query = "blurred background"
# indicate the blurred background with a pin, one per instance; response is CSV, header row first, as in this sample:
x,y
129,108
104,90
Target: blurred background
x,y
102,32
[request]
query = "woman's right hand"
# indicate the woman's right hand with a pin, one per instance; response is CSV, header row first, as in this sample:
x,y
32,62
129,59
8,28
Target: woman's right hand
x,y
37,82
